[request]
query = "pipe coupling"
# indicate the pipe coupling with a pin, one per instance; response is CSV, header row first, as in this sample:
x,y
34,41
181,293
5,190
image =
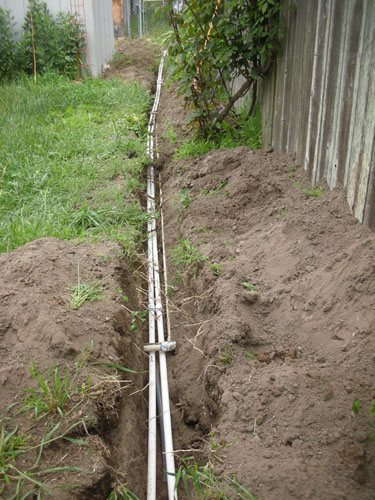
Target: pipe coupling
x,y
163,346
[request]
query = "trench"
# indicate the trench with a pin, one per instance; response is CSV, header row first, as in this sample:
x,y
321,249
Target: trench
x,y
126,437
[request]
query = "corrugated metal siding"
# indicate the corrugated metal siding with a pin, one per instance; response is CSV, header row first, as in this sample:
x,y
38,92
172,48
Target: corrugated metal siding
x,y
319,99
98,21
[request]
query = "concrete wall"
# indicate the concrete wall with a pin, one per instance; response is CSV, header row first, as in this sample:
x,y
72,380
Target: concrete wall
x,y
98,22
319,98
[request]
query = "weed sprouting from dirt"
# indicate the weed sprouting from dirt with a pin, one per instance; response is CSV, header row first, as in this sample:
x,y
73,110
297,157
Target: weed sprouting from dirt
x,y
206,485
55,387
311,190
122,493
84,291
226,354
357,407
137,316
188,257
217,189
249,286
185,198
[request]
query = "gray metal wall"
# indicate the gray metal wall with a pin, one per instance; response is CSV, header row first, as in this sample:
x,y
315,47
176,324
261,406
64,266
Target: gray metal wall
x,y
319,99
98,21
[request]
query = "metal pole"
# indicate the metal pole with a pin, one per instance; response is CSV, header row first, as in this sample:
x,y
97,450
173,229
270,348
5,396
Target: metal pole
x,y
140,17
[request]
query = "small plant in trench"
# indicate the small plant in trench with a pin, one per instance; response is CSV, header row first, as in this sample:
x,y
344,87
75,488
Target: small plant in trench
x,y
226,354
137,316
122,493
55,387
124,297
201,482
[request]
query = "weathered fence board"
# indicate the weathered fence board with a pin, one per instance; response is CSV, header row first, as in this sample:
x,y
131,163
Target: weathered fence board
x,y
319,98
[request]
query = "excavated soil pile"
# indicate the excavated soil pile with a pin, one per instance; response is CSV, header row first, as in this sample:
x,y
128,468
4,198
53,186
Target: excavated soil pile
x,y
37,325
274,320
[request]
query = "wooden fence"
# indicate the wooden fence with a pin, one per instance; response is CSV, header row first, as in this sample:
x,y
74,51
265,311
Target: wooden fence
x,y
319,98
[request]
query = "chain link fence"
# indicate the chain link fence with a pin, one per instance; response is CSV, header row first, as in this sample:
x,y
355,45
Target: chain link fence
x,y
144,18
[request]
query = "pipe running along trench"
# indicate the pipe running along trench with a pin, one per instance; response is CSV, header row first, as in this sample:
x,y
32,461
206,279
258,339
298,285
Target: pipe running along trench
x,y
156,325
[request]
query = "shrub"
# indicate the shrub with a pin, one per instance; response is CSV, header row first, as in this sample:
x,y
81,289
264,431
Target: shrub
x,y
58,42
7,44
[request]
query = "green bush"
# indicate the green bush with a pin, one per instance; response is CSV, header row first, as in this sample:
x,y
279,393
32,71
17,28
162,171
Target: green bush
x,y
7,44
58,43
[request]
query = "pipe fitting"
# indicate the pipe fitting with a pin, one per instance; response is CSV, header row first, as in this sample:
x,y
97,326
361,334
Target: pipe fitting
x,y
162,346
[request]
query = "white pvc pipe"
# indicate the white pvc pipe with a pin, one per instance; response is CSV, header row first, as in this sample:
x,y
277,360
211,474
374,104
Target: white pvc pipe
x,y
151,471
156,315
169,338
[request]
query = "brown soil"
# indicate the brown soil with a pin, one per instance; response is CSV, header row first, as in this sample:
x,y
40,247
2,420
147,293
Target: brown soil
x,y
135,60
263,380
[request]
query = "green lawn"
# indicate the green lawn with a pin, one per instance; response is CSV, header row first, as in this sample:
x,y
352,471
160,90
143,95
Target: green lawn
x,y
61,146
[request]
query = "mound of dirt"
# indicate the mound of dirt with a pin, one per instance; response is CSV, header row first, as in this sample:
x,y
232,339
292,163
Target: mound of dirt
x,y
274,321
38,325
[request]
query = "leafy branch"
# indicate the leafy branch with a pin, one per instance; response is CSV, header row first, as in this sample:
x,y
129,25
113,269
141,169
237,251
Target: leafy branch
x,y
216,42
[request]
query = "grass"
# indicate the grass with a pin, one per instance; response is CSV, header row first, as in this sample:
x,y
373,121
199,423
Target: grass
x,y
226,354
122,493
11,446
170,133
54,388
188,257
61,146
356,409
185,198
217,189
206,485
311,190
246,132
58,393
28,483
84,291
